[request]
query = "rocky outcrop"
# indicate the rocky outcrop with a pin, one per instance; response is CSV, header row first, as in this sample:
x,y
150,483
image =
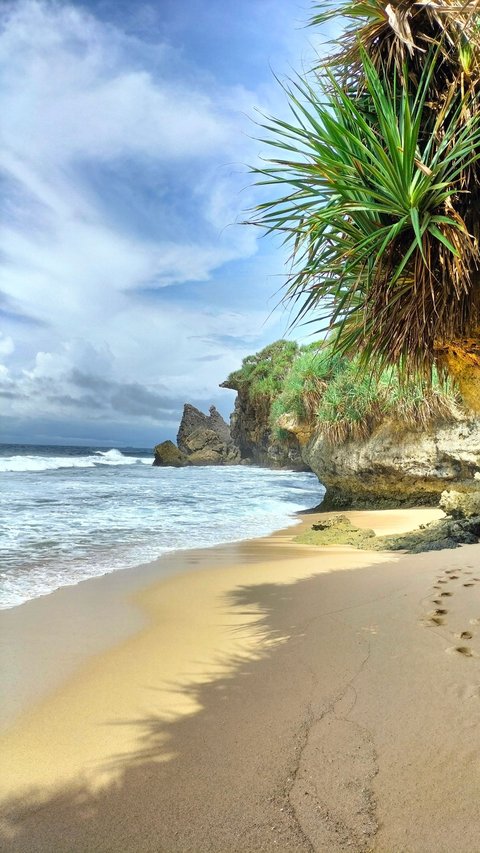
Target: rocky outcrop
x,y
202,440
436,536
168,455
371,444
461,504
397,466
206,439
252,432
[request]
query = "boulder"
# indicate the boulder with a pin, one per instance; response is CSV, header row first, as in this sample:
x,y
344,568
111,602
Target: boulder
x,y
168,455
461,504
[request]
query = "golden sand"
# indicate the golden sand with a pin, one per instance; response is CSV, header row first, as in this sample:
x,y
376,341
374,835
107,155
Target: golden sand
x,y
274,696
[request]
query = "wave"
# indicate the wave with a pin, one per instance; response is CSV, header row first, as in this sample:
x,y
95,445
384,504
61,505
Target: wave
x,y
12,464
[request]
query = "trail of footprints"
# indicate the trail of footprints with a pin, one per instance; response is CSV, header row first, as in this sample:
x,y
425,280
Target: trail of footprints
x,y
438,616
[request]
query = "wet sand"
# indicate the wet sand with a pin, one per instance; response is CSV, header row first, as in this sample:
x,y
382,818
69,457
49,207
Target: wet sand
x,y
262,696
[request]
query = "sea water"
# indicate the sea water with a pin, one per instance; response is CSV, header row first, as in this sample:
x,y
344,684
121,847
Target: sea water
x,y
72,513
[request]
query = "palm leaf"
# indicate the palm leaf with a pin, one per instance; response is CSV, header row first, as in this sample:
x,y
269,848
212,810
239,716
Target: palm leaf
x,y
374,205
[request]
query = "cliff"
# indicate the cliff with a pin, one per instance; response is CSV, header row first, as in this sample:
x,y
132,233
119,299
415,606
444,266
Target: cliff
x,y
253,434
396,467
257,384
370,442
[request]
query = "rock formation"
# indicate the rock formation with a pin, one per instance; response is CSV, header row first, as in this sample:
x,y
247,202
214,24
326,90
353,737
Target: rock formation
x,y
444,533
252,433
397,467
206,439
461,504
202,440
301,408
168,455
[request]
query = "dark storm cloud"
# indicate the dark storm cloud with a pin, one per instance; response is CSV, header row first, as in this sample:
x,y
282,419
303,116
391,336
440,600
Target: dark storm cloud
x,y
127,398
12,395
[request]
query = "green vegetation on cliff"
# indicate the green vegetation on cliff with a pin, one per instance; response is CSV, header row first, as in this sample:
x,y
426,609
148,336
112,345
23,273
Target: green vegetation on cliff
x,y
263,374
319,389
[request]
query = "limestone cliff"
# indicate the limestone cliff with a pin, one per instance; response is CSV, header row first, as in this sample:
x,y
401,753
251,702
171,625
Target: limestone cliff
x,y
396,466
370,442
257,383
252,433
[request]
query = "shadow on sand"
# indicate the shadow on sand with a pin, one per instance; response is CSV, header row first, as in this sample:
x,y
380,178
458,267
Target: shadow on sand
x,y
217,780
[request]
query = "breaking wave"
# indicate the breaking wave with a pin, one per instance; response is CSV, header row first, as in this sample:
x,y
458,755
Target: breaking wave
x,y
54,463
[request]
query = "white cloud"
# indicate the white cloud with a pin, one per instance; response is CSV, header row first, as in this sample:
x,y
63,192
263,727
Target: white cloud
x,y
122,173
73,86
6,345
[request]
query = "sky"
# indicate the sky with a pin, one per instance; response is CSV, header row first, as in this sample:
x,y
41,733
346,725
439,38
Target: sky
x,y
128,283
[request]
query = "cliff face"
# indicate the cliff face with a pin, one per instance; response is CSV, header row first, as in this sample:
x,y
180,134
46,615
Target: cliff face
x,y
371,442
252,433
397,467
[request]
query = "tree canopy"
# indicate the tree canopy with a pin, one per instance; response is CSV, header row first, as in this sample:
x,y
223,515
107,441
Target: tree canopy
x,y
374,183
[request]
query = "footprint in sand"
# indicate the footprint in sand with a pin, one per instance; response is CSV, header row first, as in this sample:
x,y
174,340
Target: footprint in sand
x,y
437,601
446,594
469,584
435,620
465,635
474,621
461,650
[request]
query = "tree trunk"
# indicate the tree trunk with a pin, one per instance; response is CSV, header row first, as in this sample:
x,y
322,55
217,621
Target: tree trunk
x,y
461,359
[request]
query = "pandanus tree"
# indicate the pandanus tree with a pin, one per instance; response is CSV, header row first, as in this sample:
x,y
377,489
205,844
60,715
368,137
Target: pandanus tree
x,y
376,188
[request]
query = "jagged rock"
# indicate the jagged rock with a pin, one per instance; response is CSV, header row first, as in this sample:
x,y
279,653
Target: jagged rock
x,y
205,447
206,439
167,454
461,504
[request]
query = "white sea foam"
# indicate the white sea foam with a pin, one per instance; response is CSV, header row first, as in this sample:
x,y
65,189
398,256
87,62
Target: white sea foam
x,y
66,518
53,463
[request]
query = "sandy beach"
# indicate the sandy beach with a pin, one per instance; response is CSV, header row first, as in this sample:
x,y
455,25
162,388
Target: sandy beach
x,y
259,696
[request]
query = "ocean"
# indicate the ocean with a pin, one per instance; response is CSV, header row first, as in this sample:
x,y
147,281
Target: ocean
x,y
72,513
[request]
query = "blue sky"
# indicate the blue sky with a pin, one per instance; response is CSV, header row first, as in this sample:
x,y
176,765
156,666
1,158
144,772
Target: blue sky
x,y
127,283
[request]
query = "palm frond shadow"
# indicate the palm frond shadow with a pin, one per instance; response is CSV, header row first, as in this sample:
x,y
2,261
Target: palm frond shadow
x,y
173,778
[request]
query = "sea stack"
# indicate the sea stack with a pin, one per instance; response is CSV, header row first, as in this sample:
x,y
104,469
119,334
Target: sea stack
x,y
201,439
206,439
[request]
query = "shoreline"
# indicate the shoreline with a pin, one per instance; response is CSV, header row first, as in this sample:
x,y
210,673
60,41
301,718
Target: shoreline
x,y
96,613
206,719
